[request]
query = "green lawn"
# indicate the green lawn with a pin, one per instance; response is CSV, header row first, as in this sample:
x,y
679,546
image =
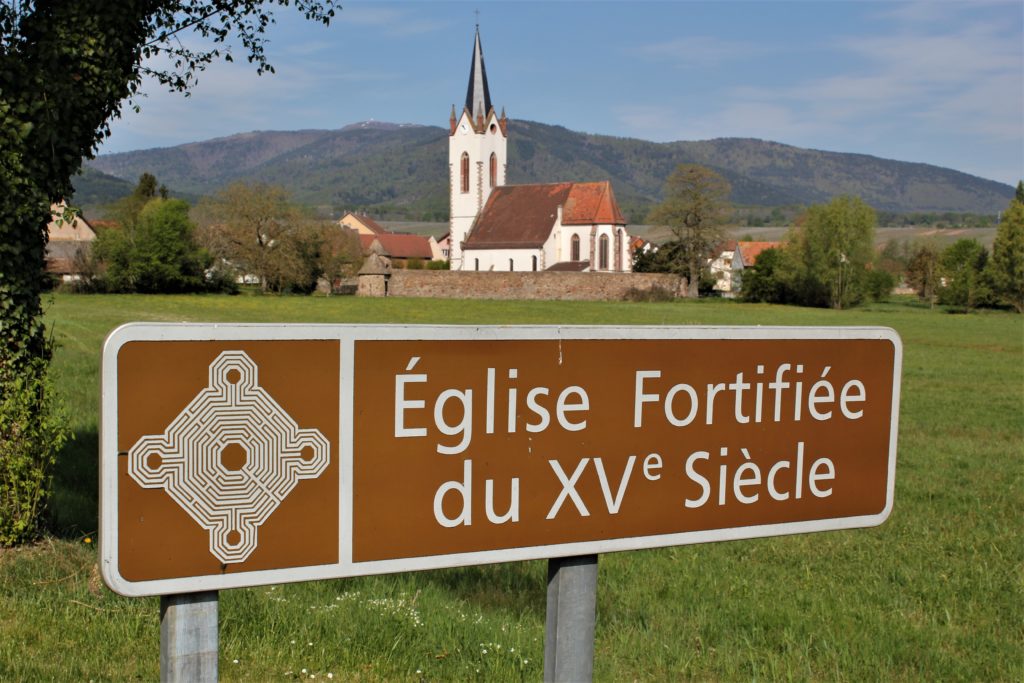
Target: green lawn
x,y
936,593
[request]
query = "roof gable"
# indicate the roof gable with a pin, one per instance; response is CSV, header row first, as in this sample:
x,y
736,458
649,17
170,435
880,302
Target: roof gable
x,y
749,251
354,222
592,203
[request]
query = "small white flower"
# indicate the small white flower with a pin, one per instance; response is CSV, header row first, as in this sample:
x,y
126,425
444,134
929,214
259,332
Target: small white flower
x,y
484,651
234,661
310,644
303,671
418,671
293,642
330,675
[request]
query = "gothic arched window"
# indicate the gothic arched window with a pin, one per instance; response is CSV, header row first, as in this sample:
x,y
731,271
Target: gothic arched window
x,y
574,251
602,253
535,263
494,169
465,172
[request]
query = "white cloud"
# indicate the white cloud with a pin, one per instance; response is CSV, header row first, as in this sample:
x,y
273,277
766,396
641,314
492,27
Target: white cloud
x,y
691,52
392,21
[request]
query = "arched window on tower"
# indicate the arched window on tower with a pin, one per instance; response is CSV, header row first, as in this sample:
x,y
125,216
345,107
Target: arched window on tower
x,y
465,172
574,250
494,169
602,253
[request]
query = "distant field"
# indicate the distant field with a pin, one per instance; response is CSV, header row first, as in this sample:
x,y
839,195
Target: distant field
x,y
941,237
936,593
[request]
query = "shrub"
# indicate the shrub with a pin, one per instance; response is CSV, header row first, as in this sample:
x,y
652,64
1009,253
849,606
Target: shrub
x,y
879,284
654,293
33,429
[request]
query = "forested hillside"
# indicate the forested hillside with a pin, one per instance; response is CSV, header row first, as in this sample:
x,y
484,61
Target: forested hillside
x,y
401,170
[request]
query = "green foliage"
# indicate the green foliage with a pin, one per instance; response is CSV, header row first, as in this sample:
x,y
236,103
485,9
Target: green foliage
x,y
156,253
962,269
439,265
1019,193
768,280
831,248
878,284
33,429
695,208
1007,263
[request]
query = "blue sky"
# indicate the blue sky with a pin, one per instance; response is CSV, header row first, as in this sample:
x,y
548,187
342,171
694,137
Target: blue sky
x,y
938,82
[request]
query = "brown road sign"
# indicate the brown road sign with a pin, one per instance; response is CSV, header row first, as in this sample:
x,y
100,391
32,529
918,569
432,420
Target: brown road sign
x,y
249,454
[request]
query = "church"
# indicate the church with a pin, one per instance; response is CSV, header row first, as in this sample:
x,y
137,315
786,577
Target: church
x,y
566,226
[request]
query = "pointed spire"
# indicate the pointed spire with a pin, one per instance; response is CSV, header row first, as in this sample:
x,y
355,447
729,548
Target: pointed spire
x,y
478,97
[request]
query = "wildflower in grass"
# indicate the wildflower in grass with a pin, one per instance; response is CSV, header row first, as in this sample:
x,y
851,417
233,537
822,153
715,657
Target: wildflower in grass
x,y
87,540
234,661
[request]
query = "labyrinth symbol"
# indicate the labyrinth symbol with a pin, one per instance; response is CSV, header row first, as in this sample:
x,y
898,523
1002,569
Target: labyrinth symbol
x,y
230,457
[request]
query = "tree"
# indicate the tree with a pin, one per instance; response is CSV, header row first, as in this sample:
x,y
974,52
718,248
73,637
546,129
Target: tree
x,y
923,272
259,232
155,254
695,207
1007,263
961,266
832,245
768,280
1019,194
66,68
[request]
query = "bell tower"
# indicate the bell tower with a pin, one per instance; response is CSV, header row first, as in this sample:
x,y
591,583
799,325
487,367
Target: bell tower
x,y
477,155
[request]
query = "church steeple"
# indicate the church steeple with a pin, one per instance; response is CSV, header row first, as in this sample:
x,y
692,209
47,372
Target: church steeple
x,y
478,96
477,155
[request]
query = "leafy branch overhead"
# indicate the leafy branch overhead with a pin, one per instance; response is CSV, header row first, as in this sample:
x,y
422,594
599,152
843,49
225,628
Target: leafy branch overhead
x,y
66,69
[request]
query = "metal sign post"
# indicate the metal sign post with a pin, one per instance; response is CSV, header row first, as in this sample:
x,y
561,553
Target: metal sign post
x,y
571,616
188,638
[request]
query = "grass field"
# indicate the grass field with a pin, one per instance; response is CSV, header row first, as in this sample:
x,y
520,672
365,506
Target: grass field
x,y
936,593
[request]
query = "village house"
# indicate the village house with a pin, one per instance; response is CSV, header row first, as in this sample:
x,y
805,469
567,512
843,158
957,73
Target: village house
x,y
69,244
402,249
729,262
497,227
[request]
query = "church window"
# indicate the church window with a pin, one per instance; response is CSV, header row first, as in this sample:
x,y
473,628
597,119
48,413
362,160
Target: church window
x,y
574,252
476,264
535,263
602,254
494,169
511,265
465,172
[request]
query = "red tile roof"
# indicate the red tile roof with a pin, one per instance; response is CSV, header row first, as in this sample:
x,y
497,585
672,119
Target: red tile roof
x,y
591,203
749,251
522,216
400,246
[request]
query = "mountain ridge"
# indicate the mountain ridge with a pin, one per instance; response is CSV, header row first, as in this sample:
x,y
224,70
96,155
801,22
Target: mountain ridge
x,y
401,169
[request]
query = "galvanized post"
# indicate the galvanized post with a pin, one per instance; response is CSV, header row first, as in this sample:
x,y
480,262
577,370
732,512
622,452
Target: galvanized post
x,y
571,614
188,638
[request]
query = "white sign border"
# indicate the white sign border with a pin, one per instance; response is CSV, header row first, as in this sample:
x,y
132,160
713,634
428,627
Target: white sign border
x,y
347,335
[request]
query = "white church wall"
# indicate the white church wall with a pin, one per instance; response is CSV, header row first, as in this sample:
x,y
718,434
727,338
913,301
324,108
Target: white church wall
x,y
503,260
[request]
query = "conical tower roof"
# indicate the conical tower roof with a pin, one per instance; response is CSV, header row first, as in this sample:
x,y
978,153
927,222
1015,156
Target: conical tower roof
x,y
478,96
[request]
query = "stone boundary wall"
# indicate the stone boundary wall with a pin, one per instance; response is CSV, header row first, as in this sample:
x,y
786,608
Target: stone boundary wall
x,y
448,284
